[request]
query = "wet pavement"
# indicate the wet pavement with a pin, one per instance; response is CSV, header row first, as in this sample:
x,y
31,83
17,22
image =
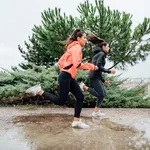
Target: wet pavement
x,y
34,128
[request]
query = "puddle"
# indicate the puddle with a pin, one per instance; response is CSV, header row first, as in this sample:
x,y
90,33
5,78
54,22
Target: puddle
x,y
12,139
54,132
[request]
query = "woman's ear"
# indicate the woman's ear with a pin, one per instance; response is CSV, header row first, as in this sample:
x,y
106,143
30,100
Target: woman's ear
x,y
78,38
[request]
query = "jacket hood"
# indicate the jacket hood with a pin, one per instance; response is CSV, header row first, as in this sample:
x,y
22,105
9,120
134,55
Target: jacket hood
x,y
72,44
98,49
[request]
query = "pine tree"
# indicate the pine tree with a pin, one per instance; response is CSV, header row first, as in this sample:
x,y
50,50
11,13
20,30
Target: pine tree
x,y
127,46
44,48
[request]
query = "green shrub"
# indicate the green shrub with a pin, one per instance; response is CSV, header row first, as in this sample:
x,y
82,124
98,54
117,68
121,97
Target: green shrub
x,y
15,82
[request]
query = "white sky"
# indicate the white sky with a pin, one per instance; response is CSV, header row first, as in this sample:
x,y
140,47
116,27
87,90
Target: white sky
x,y
19,16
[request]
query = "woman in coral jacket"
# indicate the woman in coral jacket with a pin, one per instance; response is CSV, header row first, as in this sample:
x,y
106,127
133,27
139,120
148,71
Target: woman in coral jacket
x,y
69,63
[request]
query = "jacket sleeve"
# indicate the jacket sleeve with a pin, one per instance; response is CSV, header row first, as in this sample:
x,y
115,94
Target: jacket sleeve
x,y
86,66
99,64
102,79
77,58
76,55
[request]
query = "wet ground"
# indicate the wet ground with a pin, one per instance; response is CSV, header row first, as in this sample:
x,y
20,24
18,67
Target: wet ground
x,y
31,128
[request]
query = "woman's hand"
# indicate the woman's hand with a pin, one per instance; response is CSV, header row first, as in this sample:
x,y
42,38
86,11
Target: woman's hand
x,y
113,71
95,67
107,83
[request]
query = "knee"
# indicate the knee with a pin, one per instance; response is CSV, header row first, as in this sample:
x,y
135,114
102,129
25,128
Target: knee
x,y
101,96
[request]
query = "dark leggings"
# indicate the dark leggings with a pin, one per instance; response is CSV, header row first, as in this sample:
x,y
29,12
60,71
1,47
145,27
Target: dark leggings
x,y
98,90
67,84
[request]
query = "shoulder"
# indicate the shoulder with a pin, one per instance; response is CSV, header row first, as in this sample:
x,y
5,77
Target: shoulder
x,y
101,54
76,48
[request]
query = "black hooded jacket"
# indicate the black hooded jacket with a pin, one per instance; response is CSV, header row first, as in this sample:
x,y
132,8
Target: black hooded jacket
x,y
98,60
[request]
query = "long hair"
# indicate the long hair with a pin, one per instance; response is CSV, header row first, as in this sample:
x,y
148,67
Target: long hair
x,y
73,37
94,39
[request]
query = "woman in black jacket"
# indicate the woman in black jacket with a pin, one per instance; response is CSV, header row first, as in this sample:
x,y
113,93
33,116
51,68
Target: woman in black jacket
x,y
100,52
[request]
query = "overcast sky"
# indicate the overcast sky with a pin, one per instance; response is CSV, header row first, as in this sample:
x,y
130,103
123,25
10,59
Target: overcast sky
x,y
19,16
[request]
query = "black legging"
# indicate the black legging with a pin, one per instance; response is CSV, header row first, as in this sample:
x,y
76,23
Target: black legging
x,y
67,84
98,90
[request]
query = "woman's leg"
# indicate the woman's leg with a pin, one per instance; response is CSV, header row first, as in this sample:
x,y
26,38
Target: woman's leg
x,y
76,91
99,88
92,91
89,89
64,88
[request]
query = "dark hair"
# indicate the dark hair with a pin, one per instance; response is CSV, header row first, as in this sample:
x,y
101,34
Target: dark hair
x,y
102,44
94,39
73,37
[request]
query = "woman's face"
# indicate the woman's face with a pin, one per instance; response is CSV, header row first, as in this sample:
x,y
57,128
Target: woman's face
x,y
82,40
106,48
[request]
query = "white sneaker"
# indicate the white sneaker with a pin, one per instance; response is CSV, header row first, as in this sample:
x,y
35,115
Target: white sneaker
x,y
34,90
81,86
80,124
97,114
